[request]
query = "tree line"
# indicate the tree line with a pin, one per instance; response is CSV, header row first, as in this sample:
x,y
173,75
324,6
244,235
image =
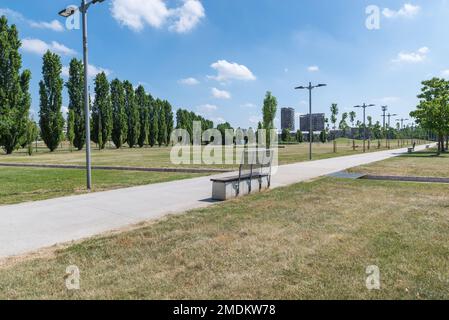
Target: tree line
x,y
16,128
120,113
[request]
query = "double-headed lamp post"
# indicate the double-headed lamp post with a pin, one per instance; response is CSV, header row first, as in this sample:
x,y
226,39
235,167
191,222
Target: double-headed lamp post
x,y
364,106
67,13
310,87
389,115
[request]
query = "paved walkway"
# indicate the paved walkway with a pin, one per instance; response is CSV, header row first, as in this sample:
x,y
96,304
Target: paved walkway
x,y
30,226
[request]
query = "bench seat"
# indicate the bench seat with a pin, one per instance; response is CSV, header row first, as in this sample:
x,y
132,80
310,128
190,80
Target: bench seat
x,y
229,187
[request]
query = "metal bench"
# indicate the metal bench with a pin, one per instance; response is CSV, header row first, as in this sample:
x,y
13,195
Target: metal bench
x,y
253,176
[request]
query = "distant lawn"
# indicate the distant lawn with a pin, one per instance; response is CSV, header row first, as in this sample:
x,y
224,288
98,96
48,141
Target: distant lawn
x,y
30,184
307,241
420,164
160,157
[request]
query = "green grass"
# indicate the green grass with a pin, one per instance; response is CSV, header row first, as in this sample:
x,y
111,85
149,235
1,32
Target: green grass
x,y
29,184
160,157
307,241
420,164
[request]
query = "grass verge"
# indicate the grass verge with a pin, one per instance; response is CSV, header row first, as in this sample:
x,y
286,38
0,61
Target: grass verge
x,y
30,184
307,241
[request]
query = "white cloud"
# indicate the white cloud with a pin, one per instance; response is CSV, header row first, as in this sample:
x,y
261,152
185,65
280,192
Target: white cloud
x,y
218,120
248,105
92,71
387,100
189,81
136,14
255,119
220,94
207,108
38,46
412,57
445,73
407,11
231,71
187,16
313,69
54,25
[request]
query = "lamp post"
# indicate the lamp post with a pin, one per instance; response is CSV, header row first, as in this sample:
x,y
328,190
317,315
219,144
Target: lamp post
x,y
401,131
389,115
364,106
384,110
310,87
67,13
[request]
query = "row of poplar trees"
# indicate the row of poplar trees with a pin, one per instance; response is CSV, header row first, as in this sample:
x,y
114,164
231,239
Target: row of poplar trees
x,y
16,127
119,113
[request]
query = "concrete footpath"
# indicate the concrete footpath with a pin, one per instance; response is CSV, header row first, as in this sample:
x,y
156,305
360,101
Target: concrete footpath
x,y
31,226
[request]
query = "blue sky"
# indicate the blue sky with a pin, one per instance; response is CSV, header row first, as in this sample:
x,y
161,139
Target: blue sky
x,y
219,57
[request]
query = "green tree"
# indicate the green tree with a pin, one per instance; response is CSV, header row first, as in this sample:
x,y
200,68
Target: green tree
x,y
162,132
119,117
323,136
169,121
132,113
222,127
75,88
102,111
143,101
15,99
343,125
50,90
154,127
71,127
32,133
334,114
285,135
269,113
432,113
299,136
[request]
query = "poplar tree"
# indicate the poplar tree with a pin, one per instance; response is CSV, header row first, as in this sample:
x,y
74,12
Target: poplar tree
x,y
120,120
142,101
102,112
154,124
71,128
15,99
132,113
169,121
50,90
75,88
269,113
162,132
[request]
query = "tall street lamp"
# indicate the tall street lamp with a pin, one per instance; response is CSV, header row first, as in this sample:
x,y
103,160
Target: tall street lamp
x,y
67,13
364,106
389,115
310,87
384,110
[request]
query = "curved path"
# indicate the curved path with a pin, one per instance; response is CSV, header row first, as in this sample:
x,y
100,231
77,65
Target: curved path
x,y
31,226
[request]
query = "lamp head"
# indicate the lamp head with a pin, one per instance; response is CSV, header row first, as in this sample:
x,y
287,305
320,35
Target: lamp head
x,y
67,12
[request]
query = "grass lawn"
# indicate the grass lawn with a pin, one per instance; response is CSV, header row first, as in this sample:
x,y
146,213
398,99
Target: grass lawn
x,y
29,184
419,164
160,157
307,241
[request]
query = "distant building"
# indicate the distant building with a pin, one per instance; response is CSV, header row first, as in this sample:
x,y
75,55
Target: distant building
x,y
288,119
318,120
